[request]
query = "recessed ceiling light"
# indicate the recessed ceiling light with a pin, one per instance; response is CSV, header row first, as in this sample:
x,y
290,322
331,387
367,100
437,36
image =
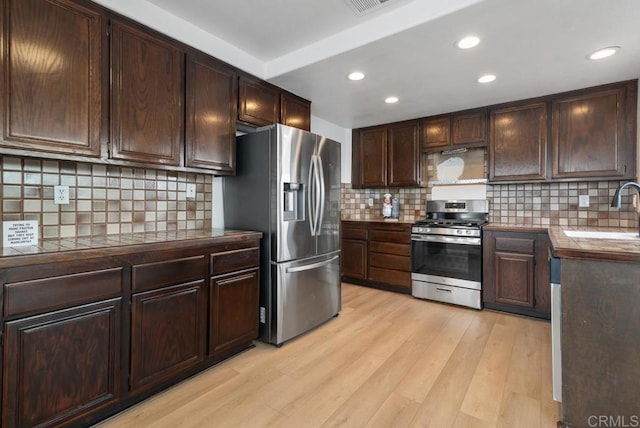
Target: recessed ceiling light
x,y
486,78
391,100
603,53
468,42
356,75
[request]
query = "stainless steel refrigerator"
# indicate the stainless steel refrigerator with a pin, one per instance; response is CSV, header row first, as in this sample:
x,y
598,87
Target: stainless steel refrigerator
x,y
287,185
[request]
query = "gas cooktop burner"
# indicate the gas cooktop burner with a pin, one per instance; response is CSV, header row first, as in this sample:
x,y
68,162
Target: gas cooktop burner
x,y
427,222
450,223
456,214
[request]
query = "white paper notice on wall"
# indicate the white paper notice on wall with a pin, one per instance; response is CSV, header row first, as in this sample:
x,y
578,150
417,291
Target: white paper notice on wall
x,y
19,233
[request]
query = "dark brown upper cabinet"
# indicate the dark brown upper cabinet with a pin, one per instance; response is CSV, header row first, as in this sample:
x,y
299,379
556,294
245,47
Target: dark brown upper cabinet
x,y
589,134
53,75
462,129
210,115
469,128
593,133
147,123
387,155
370,155
295,111
258,102
518,142
437,133
404,154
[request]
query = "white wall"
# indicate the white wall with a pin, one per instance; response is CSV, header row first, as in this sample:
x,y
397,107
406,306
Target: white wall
x,y
342,135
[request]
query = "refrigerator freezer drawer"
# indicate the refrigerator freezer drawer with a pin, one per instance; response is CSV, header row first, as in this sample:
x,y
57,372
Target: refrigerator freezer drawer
x,y
307,293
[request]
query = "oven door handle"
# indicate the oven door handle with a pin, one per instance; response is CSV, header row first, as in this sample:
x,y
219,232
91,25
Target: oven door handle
x,y
462,240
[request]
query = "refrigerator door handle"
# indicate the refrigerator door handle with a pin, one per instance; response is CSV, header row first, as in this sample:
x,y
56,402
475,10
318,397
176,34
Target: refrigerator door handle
x,y
317,194
310,196
311,266
322,194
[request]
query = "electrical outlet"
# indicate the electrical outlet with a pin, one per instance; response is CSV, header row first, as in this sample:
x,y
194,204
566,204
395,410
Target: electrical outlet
x,y
191,191
370,202
583,201
60,194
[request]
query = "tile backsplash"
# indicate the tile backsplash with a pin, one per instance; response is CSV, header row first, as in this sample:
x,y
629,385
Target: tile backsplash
x,y
106,199
103,199
544,204
531,204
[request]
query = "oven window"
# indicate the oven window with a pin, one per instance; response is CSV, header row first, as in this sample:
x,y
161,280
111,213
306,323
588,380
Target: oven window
x,y
448,260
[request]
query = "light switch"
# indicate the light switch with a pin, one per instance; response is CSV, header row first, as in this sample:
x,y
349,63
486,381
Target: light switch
x,y
191,191
583,201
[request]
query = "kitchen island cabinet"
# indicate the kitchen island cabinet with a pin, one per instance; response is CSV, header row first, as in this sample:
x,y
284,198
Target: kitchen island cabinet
x,y
377,254
600,321
91,330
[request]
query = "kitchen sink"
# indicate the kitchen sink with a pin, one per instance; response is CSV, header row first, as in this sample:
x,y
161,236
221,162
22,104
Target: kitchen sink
x,y
600,235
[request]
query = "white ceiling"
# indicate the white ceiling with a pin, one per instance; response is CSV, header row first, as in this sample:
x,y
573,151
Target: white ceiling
x,y
406,48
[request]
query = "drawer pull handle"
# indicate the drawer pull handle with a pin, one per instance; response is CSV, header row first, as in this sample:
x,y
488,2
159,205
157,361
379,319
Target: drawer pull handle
x,y
444,289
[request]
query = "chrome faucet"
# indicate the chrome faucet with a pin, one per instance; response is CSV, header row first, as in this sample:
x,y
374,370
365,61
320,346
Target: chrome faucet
x,y
617,198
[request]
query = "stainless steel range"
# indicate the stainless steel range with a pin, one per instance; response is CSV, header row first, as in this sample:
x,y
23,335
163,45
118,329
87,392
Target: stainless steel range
x,y
446,252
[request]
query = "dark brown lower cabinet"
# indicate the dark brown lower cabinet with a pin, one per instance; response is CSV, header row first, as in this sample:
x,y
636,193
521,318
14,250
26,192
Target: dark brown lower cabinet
x,y
377,254
234,318
354,249
77,327
167,332
354,258
516,272
61,365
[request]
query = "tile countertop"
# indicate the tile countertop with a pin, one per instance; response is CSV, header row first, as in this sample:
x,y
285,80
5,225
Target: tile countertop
x,y
86,247
617,250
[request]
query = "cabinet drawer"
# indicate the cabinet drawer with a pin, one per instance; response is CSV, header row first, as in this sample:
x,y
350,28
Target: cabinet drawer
x,y
520,245
390,261
167,272
61,291
230,261
389,248
353,232
398,236
390,276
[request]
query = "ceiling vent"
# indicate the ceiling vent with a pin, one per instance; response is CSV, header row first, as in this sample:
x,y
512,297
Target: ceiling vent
x,y
362,7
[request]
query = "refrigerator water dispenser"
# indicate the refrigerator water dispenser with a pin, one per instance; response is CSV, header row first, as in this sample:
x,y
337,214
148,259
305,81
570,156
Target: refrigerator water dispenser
x,y
293,202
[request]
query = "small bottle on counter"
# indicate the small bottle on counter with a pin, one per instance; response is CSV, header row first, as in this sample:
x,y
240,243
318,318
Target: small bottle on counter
x,y
395,208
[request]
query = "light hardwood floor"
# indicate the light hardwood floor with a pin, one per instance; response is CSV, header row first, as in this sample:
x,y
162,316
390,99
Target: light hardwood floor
x,y
388,360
